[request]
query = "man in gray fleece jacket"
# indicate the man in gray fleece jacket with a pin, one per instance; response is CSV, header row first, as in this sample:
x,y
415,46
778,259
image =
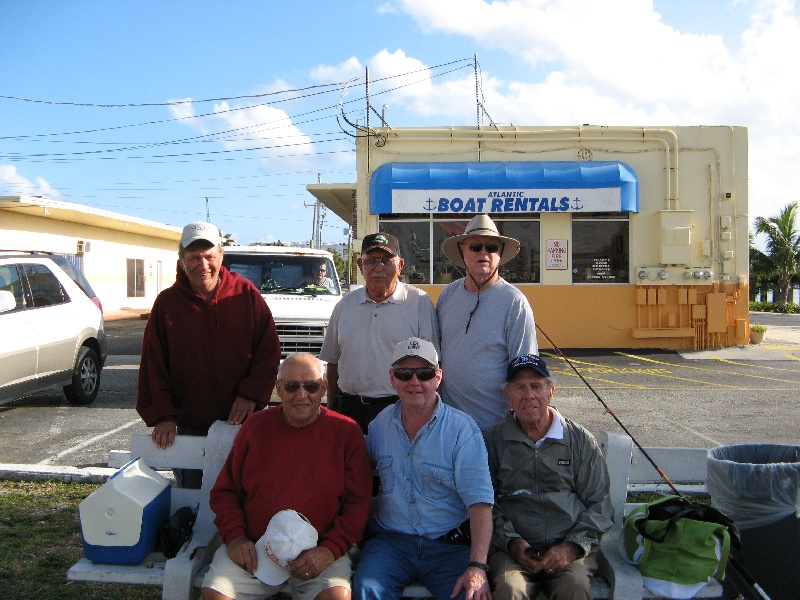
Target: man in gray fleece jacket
x,y
551,492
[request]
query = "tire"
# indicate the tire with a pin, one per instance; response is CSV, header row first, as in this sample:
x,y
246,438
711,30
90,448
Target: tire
x,y
85,378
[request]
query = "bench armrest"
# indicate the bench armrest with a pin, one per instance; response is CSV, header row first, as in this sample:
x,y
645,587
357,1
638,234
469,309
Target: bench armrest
x,y
623,578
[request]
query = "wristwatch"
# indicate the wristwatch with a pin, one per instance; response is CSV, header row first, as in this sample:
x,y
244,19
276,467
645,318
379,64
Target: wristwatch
x,y
482,566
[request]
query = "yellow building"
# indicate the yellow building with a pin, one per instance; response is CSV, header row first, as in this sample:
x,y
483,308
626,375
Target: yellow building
x,y
126,259
631,236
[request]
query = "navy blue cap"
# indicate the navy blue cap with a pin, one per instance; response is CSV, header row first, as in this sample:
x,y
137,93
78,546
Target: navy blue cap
x,y
527,361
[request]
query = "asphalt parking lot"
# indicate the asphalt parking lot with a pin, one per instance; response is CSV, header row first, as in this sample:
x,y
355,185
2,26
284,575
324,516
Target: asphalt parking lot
x,y
702,399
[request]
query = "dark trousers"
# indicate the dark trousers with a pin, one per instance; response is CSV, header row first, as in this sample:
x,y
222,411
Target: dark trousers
x,y
361,409
189,478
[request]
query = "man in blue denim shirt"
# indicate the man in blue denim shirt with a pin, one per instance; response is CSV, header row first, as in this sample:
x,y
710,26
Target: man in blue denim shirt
x,y
434,475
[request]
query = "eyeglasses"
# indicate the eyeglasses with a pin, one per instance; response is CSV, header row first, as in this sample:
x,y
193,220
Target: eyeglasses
x,y
371,261
422,373
312,387
491,248
320,270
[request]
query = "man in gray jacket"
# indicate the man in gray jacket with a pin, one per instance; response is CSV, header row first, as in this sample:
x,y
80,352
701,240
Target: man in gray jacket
x,y
551,492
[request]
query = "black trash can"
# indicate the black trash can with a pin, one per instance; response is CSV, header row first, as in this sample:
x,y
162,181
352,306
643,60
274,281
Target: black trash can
x,y
758,486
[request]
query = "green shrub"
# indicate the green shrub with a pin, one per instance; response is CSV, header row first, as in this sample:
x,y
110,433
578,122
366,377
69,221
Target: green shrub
x,y
758,328
791,307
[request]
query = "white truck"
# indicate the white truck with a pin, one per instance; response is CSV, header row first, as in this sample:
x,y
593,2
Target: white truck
x,y
300,285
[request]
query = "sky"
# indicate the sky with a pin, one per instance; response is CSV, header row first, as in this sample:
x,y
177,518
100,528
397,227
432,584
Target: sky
x,y
177,110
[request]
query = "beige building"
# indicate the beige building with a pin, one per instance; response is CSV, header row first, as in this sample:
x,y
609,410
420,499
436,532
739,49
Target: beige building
x,y
631,236
127,260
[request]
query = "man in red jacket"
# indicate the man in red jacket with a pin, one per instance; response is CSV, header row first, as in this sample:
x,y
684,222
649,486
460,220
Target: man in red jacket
x,y
210,349
301,457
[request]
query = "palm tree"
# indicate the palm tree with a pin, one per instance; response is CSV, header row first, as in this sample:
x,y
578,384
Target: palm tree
x,y
783,248
761,277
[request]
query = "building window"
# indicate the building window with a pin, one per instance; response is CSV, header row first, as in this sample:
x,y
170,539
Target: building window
x,y
135,278
600,249
421,240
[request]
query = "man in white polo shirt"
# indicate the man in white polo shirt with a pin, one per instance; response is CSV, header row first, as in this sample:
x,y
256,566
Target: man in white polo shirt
x,y
365,327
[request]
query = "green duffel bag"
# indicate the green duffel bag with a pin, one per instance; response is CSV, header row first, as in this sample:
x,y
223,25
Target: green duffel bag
x,y
678,545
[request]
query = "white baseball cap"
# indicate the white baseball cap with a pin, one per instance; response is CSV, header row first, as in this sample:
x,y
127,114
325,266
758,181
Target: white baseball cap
x,y
200,231
416,347
288,534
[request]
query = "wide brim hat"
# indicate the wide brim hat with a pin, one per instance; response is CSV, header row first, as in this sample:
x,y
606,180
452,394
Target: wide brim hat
x,y
479,225
288,534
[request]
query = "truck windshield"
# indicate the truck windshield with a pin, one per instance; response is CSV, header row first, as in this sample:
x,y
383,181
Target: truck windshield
x,y
301,274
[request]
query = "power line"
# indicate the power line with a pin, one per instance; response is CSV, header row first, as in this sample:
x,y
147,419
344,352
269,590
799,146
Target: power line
x,y
337,85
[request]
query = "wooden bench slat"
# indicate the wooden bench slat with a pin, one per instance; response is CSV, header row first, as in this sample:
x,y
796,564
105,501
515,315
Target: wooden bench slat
x,y
187,452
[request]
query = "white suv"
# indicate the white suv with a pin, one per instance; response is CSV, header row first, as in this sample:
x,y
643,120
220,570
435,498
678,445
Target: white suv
x,y
301,288
51,328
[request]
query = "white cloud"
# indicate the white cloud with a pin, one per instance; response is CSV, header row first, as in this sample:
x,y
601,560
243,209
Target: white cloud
x,y
261,128
617,62
344,71
387,8
17,185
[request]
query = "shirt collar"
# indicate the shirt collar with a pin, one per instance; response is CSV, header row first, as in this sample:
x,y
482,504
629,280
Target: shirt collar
x,y
397,296
554,432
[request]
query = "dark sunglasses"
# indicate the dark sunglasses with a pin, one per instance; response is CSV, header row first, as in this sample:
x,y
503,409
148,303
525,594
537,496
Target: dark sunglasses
x,y
312,387
422,373
320,270
490,247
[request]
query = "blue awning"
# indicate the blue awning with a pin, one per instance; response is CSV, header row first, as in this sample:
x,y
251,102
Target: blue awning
x,y
521,186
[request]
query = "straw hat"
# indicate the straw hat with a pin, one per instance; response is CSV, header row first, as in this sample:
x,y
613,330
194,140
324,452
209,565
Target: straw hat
x,y
479,225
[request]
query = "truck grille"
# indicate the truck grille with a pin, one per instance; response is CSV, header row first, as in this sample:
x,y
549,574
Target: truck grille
x,y
300,338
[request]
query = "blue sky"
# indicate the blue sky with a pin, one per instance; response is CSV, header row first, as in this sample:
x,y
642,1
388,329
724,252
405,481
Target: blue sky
x,y
282,65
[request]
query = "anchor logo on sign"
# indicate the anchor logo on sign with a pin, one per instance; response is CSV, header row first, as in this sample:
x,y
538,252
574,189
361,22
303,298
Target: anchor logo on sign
x,y
576,205
429,205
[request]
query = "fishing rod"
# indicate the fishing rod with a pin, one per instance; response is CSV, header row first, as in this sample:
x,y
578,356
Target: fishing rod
x,y
752,590
611,412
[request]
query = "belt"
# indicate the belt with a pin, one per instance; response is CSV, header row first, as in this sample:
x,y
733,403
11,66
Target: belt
x,y
459,536
368,400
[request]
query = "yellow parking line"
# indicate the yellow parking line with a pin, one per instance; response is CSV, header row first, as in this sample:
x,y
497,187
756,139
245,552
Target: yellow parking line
x,y
742,364
661,362
664,375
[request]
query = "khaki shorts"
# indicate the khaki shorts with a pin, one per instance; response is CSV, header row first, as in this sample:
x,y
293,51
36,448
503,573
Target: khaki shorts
x,y
228,578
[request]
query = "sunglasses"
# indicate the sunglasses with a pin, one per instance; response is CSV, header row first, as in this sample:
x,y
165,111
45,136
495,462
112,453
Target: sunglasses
x,y
491,248
371,261
320,270
312,387
422,373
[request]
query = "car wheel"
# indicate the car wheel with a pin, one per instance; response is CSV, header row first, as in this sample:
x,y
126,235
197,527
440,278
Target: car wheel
x,y
85,378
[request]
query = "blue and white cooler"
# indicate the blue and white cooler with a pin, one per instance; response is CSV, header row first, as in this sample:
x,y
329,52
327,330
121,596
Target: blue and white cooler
x,y
120,520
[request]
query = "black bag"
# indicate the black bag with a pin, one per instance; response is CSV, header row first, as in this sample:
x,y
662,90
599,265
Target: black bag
x,y
176,531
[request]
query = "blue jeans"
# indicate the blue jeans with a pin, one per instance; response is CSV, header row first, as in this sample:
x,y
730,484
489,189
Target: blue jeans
x,y
390,561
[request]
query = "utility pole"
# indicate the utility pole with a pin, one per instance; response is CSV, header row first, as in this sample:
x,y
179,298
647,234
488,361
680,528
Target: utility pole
x,y
349,232
208,213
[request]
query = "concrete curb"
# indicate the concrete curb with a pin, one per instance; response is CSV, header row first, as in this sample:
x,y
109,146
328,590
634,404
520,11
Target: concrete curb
x,y
16,472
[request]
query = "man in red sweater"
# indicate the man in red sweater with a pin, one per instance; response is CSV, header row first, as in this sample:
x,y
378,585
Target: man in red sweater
x,y
298,456
210,349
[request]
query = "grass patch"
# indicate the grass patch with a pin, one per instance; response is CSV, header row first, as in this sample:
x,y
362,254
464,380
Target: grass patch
x,y
646,497
41,539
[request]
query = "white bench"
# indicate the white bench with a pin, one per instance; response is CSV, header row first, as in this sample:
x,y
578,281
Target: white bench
x,y
686,469
182,576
